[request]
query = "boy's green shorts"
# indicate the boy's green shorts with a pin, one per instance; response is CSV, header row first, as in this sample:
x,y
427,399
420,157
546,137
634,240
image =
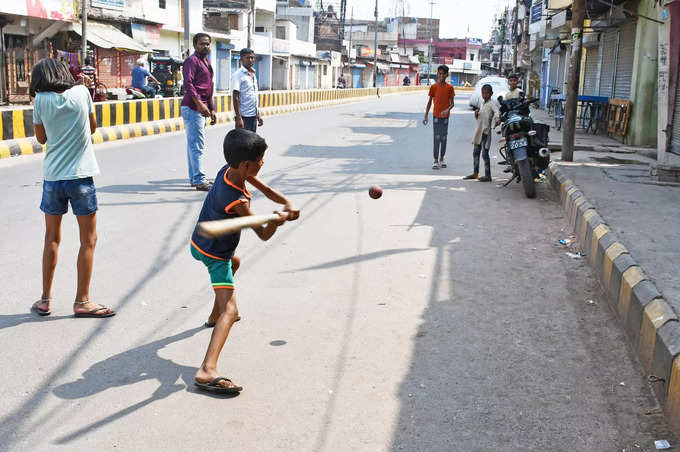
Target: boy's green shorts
x,y
221,276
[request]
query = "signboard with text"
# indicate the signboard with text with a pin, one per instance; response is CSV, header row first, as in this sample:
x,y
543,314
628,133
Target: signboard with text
x,y
44,9
108,4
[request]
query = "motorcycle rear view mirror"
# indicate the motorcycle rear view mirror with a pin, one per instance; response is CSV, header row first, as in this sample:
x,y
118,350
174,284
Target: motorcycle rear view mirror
x,y
500,98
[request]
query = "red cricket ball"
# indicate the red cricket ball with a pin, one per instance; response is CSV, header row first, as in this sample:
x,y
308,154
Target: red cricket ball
x,y
375,191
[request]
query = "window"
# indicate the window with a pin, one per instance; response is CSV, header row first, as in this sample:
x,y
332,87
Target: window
x,y
472,57
233,21
280,32
161,4
259,29
325,69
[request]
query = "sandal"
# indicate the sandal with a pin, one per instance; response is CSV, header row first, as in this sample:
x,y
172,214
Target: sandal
x,y
212,324
215,387
37,310
93,313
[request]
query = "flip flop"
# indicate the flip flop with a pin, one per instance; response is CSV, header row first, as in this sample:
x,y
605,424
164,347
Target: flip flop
x,y
215,387
212,324
40,311
93,313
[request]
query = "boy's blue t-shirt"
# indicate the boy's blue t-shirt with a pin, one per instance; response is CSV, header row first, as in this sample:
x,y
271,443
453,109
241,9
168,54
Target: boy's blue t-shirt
x,y
66,119
139,75
218,205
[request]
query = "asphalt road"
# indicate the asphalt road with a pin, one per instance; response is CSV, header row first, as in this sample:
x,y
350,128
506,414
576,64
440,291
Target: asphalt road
x,y
442,317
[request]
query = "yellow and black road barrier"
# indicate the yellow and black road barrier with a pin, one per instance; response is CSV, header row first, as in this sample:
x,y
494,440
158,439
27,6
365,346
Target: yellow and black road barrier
x,y
135,118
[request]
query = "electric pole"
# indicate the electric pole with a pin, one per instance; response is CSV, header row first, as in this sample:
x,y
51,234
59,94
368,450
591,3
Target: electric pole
x,y
83,33
375,48
349,51
251,23
187,29
515,29
577,16
429,51
503,23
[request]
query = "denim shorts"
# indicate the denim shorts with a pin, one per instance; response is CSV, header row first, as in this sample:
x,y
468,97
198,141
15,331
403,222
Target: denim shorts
x,y
80,192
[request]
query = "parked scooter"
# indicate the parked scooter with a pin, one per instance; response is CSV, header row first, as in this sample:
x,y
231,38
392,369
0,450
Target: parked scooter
x,y
524,143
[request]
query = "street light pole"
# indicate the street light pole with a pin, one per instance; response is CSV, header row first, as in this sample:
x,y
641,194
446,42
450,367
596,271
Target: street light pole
x,y
349,51
84,30
187,30
375,47
515,30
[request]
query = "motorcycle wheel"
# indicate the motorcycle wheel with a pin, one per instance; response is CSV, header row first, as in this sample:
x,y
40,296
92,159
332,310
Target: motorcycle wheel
x,y
527,179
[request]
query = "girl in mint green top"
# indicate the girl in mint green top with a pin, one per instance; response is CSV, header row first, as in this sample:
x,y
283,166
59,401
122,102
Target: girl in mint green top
x,y
64,120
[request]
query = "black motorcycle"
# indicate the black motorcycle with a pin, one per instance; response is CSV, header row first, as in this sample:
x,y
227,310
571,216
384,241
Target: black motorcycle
x,y
524,144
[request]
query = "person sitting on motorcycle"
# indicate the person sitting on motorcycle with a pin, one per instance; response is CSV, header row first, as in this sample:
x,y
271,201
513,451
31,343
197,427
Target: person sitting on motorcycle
x,y
515,92
407,80
482,139
139,76
341,82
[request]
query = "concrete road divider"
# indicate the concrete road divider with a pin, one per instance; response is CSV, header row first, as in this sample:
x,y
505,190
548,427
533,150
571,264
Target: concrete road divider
x,y
649,321
135,118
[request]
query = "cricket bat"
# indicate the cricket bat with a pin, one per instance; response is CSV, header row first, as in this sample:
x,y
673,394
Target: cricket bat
x,y
217,228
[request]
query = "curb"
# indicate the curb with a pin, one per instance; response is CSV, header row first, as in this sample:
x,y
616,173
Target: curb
x,y
28,146
649,321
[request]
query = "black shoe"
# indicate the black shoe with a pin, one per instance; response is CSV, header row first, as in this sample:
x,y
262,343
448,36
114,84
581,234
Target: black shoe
x,y
205,186
470,177
507,170
485,179
503,162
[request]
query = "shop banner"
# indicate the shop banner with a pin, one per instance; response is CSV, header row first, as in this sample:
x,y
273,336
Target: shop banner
x,y
108,4
44,9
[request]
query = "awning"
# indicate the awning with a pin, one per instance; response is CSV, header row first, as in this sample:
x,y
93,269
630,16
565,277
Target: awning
x,y
414,59
108,37
394,57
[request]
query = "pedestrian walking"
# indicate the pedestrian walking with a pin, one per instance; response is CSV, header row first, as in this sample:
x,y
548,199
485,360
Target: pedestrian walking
x,y
91,73
64,120
229,198
197,105
482,138
246,111
441,95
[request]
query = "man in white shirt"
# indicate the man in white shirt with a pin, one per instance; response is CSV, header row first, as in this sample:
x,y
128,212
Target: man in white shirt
x,y
246,114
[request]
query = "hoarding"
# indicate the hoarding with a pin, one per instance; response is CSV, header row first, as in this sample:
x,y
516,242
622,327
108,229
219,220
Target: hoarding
x,y
45,9
108,4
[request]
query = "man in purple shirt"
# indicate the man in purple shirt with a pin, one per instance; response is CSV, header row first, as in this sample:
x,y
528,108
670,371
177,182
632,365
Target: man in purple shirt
x,y
197,105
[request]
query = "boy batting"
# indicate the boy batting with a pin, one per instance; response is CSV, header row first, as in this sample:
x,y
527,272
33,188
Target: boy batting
x,y
230,198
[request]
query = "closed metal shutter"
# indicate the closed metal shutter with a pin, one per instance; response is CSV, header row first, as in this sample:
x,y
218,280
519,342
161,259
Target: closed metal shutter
x,y
590,72
624,61
608,49
675,139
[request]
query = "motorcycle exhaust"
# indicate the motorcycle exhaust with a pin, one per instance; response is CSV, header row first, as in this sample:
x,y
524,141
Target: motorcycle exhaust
x,y
544,153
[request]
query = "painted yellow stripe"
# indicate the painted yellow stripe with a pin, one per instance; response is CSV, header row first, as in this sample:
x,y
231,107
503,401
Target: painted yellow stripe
x,y
161,127
18,124
156,109
672,405
655,315
144,105
111,134
176,111
149,129
132,108
4,151
615,250
598,233
25,146
137,129
630,279
120,114
590,213
97,137
124,132
166,108
106,115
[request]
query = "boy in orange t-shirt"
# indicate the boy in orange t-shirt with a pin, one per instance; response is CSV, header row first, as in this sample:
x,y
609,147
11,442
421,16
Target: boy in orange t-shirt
x,y
442,94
